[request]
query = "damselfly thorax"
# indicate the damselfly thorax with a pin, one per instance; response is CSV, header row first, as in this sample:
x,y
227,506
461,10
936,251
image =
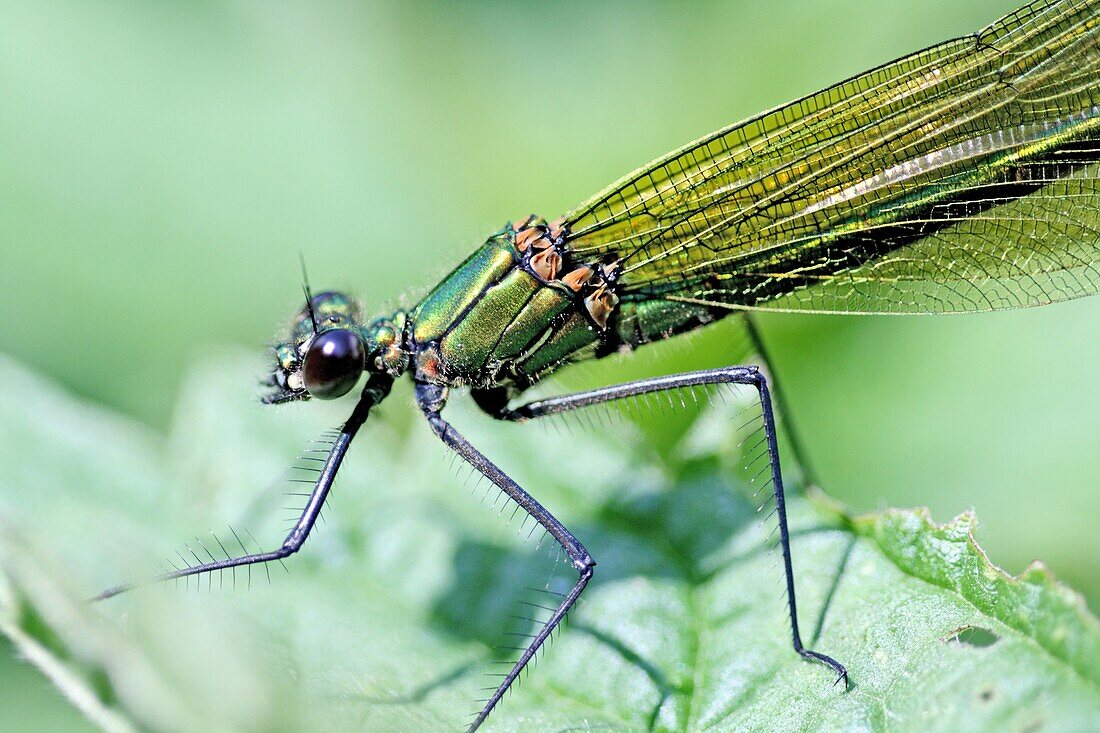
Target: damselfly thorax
x,y
523,304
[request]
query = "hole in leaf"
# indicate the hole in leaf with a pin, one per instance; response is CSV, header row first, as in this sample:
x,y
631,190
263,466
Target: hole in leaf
x,y
974,636
986,694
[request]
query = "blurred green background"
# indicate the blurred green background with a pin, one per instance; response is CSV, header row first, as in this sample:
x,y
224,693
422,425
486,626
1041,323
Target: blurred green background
x,y
161,166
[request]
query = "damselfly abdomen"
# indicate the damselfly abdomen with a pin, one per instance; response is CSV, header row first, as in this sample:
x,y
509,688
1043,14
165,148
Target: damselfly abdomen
x,y
961,178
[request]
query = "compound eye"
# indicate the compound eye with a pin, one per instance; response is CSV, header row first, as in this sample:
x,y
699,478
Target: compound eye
x,y
333,364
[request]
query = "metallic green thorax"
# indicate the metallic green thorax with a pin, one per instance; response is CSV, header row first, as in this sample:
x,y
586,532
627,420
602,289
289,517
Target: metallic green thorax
x,y
496,318
520,307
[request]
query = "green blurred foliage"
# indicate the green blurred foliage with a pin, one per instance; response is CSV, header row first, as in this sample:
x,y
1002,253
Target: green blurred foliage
x,y
163,165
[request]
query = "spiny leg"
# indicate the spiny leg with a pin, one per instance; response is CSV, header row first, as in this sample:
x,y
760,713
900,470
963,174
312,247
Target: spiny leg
x,y
431,399
376,389
794,437
495,403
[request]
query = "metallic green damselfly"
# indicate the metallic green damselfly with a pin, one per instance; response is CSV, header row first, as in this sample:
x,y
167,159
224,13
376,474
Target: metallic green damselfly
x,y
957,179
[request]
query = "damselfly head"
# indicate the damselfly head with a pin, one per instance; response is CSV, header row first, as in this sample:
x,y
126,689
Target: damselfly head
x,y
323,356
329,348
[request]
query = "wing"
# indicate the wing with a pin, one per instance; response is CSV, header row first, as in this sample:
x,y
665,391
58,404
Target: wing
x,y
959,178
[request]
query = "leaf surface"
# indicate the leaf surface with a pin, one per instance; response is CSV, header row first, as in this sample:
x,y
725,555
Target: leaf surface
x,y
389,618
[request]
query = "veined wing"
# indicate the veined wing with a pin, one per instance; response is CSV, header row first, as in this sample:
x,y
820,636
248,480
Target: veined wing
x,y
959,178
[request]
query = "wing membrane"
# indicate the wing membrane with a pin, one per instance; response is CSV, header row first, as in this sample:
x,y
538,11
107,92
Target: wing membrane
x,y
960,178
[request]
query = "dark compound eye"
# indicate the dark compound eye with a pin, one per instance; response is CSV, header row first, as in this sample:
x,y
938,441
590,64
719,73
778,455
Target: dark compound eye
x,y
333,364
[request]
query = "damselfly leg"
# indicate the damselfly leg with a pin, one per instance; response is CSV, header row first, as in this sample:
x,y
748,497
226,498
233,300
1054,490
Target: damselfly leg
x,y
495,403
377,388
431,399
794,435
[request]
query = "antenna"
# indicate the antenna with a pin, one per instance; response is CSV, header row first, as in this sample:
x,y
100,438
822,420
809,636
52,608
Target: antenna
x,y
308,293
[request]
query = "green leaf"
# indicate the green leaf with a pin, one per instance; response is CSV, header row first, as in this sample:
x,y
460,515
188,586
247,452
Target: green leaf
x,y
387,620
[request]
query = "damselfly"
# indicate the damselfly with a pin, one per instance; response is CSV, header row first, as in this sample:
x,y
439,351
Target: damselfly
x,y
960,178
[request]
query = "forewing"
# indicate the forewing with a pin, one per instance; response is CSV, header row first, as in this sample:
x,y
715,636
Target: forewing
x,y
959,178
